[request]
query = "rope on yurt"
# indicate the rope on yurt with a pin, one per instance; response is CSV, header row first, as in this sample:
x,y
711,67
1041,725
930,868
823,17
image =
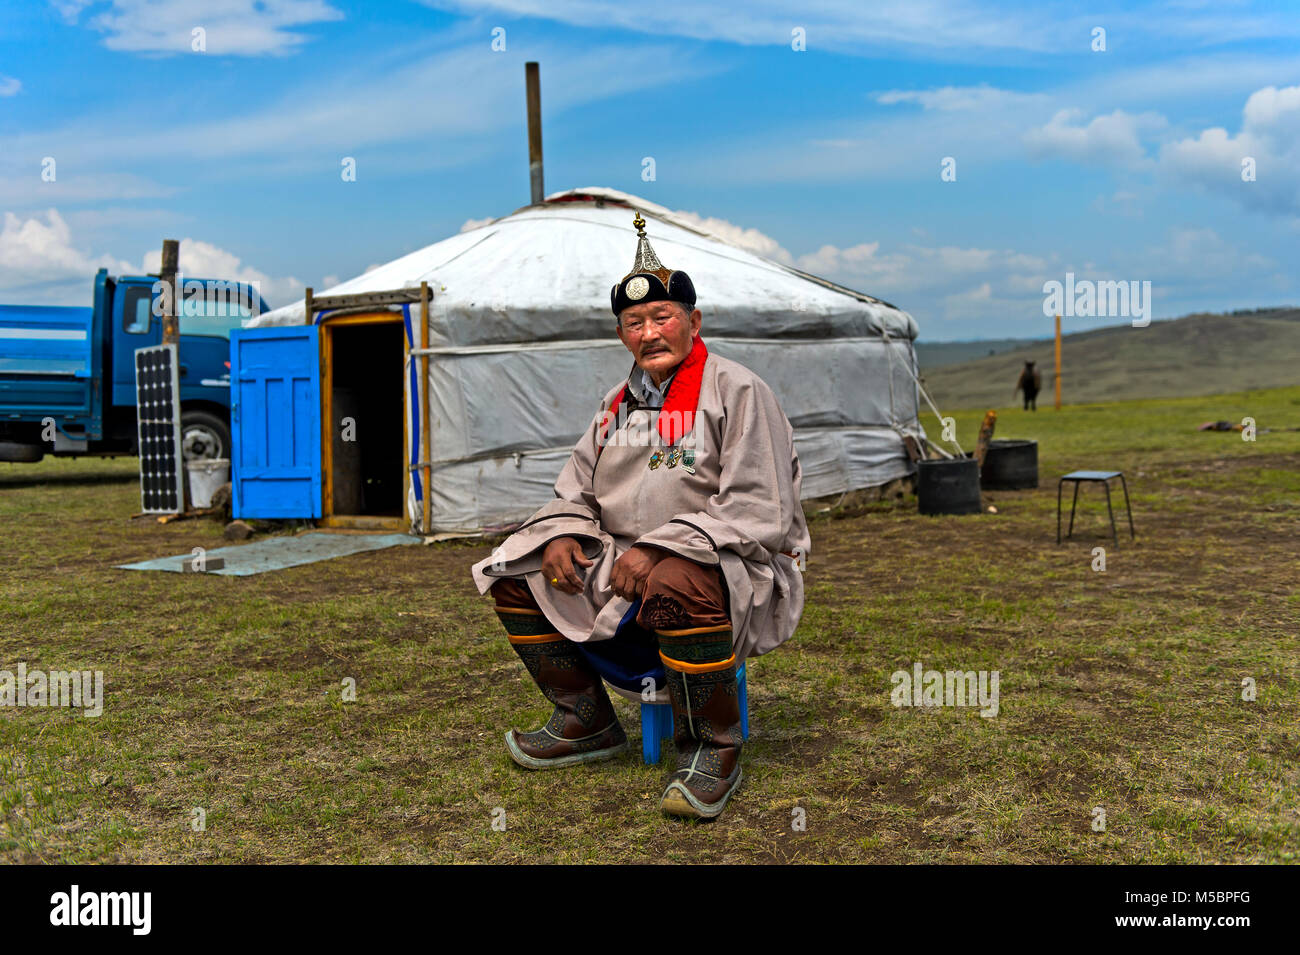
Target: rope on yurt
x,y
925,394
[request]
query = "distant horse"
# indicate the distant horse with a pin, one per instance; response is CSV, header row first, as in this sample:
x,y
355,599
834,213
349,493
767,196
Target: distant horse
x,y
1031,382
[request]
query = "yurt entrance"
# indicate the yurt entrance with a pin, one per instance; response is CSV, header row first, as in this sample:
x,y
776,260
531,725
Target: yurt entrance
x,y
363,447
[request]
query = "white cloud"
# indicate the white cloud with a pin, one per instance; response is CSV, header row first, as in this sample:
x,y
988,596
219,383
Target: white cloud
x,y
21,185
858,266
470,225
1270,105
979,295
888,141
843,25
936,283
9,86
1191,256
44,249
199,259
1114,139
1182,80
1025,284
346,110
960,98
940,273
955,29
231,27
1269,135
40,263
751,240
69,10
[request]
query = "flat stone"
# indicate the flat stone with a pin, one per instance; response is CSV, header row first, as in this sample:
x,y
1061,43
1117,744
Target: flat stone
x,y
238,531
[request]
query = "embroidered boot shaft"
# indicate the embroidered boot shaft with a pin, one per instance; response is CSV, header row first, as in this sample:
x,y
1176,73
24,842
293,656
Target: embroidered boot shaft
x,y
701,672
583,727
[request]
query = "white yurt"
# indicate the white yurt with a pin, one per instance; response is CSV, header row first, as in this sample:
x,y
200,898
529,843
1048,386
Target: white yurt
x,y
521,348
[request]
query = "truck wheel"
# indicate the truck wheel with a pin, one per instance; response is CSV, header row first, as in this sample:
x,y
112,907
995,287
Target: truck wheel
x,y
204,435
21,453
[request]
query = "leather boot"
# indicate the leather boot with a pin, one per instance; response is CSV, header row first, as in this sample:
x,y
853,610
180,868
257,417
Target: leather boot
x,y
583,727
701,672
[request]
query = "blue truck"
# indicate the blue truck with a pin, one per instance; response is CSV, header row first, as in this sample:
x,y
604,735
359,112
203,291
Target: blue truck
x,y
67,375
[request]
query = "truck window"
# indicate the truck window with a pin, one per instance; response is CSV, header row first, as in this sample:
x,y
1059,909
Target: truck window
x,y
136,309
214,314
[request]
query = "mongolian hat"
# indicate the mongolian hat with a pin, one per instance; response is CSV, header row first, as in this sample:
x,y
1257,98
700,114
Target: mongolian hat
x,y
649,281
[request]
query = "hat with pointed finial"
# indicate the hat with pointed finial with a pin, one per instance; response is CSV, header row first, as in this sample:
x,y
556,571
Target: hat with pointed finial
x,y
649,280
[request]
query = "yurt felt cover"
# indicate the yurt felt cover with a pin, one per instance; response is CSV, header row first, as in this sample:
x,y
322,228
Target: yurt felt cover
x,y
525,348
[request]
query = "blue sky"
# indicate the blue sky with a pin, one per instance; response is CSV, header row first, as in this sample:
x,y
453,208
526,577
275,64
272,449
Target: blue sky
x,y
1115,164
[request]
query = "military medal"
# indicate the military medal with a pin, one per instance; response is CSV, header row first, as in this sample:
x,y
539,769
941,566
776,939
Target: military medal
x,y
688,461
673,457
656,459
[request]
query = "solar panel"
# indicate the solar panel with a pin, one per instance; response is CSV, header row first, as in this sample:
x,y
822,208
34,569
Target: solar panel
x,y
158,420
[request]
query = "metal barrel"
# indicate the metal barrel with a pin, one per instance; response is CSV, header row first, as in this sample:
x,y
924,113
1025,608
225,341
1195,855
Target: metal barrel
x,y
948,487
1010,465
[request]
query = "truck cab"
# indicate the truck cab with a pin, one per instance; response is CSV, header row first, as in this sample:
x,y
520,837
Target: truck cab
x,y
205,319
75,367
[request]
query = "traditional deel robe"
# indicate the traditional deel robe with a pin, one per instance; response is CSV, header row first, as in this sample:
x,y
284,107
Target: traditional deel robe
x,y
712,476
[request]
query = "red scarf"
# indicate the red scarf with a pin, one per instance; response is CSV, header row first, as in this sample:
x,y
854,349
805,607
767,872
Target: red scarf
x,y
683,395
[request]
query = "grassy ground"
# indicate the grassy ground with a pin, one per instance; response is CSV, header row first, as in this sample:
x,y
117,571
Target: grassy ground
x,y
1119,689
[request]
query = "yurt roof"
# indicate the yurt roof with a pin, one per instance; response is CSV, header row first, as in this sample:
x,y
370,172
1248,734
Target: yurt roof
x,y
543,273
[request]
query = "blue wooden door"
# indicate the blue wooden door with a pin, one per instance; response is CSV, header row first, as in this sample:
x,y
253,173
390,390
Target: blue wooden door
x,y
275,422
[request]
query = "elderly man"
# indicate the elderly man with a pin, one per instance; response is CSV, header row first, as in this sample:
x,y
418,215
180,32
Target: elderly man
x,y
671,553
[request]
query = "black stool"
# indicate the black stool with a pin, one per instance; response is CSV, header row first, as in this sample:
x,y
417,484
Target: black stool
x,y
1103,478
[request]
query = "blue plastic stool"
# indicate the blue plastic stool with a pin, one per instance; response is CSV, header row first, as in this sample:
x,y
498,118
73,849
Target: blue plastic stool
x,y
657,721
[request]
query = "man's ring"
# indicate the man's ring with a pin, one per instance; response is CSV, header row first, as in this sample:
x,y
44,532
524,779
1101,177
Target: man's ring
x,y
555,581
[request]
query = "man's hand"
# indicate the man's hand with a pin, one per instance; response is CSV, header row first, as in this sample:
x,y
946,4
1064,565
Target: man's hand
x,y
631,570
557,564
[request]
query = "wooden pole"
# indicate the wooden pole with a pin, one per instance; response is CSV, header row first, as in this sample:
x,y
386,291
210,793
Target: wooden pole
x,y
171,334
534,84
985,436
1057,376
425,438
171,254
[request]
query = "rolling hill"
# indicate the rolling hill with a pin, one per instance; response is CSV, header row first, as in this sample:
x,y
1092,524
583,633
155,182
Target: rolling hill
x,y
937,354
1199,354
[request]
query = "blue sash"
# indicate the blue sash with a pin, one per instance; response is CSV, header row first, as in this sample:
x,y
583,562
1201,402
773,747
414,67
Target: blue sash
x,y
629,657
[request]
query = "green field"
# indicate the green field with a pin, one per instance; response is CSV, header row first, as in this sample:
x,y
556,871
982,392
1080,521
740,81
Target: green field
x,y
1119,690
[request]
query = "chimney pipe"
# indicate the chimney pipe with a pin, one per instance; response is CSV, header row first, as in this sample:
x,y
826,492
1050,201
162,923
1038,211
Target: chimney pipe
x,y
534,132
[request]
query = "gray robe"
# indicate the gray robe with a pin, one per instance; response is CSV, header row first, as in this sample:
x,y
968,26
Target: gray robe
x,y
739,510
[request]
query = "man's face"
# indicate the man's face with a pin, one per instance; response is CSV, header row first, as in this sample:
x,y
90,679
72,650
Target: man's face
x,y
659,335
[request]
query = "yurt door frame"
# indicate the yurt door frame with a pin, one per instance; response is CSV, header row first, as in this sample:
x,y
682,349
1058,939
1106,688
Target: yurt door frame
x,y
329,425
315,309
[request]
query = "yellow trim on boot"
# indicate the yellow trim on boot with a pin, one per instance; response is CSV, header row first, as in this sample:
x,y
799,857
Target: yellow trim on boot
x,y
537,638
694,630
682,667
